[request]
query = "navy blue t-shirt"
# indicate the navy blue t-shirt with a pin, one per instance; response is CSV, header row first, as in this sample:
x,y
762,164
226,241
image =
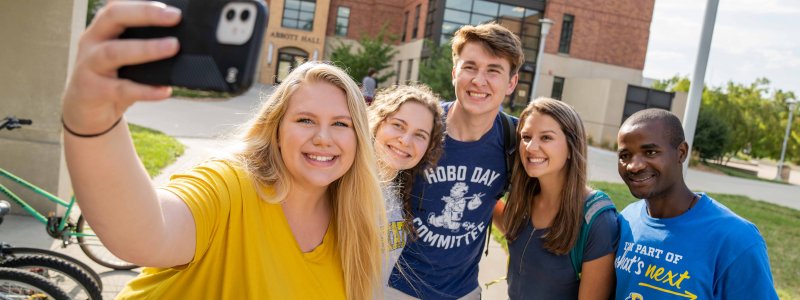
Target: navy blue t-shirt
x,y
452,206
536,273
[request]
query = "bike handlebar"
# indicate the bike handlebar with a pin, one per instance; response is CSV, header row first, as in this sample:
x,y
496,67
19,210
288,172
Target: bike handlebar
x,y
11,123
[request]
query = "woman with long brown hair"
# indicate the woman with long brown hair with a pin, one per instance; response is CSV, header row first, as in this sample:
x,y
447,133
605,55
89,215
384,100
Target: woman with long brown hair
x,y
544,214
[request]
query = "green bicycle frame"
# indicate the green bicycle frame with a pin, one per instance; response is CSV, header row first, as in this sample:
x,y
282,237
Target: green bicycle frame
x,y
33,212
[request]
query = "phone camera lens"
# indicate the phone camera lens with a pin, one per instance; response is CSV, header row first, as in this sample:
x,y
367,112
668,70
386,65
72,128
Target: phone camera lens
x,y
230,15
245,15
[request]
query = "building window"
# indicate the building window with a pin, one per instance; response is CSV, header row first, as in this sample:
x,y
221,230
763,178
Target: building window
x,y
429,20
399,68
638,98
522,21
416,21
299,14
408,69
566,33
405,27
558,88
342,20
288,59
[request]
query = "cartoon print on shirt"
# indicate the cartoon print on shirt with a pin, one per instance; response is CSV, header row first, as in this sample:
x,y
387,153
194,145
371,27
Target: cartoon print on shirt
x,y
634,296
454,208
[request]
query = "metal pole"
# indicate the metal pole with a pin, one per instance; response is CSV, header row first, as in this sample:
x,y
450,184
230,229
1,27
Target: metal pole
x,y
785,139
538,66
698,76
542,37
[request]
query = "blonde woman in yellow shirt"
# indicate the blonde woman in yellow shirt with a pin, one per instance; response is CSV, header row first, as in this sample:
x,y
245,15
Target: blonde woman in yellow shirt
x,y
290,215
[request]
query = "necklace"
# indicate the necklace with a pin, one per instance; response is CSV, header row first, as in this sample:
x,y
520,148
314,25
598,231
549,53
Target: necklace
x,y
522,258
691,203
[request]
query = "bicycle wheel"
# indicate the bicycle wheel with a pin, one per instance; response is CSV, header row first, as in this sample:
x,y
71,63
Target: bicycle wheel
x,y
72,279
19,251
95,250
20,284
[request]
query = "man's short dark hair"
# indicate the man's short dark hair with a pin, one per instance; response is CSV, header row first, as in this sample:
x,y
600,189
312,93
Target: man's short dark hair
x,y
672,125
371,71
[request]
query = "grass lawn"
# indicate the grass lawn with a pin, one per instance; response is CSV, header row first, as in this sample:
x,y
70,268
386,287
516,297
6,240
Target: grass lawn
x,y
779,225
737,173
180,92
155,149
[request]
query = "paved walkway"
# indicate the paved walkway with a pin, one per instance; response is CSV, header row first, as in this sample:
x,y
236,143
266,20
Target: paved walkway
x,y
603,167
202,125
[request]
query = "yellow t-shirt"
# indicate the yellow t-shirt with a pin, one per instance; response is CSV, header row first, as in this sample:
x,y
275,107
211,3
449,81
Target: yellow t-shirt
x,y
245,248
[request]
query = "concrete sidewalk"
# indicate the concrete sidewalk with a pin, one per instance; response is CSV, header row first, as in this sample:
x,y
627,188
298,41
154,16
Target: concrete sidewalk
x,y
25,231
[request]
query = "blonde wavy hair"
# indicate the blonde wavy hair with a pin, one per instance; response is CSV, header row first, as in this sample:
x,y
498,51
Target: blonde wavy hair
x,y
386,103
358,206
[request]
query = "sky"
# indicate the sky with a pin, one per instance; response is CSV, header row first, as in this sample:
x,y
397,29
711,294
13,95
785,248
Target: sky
x,y
752,39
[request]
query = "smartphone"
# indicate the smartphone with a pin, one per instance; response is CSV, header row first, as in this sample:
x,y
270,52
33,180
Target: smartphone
x,y
220,46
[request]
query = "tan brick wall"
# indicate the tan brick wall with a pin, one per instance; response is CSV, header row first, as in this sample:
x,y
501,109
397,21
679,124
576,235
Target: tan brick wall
x,y
278,37
607,31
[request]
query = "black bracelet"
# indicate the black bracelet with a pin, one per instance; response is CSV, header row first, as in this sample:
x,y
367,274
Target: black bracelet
x,y
88,135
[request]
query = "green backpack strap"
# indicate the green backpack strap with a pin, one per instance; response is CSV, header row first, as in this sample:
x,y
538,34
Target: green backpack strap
x,y
595,204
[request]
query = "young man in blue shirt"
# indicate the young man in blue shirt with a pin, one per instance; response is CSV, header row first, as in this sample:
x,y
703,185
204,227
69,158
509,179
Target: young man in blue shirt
x,y
454,201
674,243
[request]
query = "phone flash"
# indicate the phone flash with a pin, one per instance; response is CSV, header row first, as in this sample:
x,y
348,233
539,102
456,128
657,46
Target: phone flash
x,y
232,74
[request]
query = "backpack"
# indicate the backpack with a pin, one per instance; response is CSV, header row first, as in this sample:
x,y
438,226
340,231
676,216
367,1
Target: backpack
x,y
509,146
595,204
510,149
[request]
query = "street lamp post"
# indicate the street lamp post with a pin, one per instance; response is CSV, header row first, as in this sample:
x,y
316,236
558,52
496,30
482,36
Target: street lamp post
x,y
792,103
546,23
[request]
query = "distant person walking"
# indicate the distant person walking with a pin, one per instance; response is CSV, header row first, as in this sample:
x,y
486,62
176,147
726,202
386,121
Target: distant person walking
x,y
368,85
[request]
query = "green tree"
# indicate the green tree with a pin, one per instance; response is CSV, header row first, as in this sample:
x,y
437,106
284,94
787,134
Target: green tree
x,y
712,135
93,7
675,84
776,117
747,113
755,117
436,69
373,52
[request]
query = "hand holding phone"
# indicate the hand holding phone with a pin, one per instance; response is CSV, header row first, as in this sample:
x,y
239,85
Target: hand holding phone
x,y
220,43
95,98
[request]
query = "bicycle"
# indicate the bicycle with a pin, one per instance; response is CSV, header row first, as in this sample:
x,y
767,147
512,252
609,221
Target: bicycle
x,y
60,227
22,284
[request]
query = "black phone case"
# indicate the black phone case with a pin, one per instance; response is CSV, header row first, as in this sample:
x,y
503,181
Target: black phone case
x,y
201,63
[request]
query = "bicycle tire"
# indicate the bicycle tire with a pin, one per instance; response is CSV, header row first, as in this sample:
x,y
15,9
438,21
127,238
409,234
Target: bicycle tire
x,y
16,281
18,251
95,250
49,267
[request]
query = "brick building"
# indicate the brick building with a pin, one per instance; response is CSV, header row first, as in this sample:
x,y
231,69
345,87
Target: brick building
x,y
593,56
